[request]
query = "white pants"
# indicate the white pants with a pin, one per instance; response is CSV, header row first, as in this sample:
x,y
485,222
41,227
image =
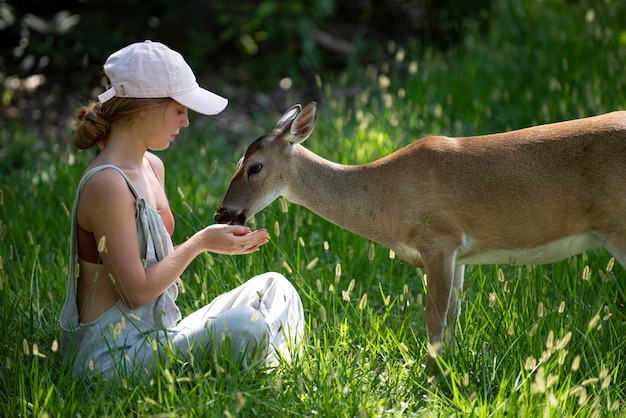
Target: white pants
x,y
261,320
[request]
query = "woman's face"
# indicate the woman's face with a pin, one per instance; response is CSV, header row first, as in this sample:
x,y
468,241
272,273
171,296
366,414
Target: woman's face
x,y
167,125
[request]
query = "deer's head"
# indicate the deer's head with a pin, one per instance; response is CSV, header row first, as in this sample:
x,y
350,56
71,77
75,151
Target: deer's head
x,y
264,172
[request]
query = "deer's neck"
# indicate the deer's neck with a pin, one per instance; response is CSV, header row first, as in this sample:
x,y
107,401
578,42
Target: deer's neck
x,y
344,195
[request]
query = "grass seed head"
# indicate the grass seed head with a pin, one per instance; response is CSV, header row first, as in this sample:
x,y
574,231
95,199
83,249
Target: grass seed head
x,y
276,229
363,301
586,273
550,340
168,376
610,264
594,322
539,385
384,82
102,244
433,349
312,263
400,55
284,205
337,272
604,373
560,344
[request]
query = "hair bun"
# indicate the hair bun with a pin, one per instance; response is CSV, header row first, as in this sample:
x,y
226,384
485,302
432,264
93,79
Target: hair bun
x,y
91,128
92,117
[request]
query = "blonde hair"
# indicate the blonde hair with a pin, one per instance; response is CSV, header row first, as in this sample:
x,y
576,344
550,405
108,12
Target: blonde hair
x,y
94,121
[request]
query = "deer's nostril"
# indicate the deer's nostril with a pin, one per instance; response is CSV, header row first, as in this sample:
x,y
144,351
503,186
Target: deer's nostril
x,y
219,215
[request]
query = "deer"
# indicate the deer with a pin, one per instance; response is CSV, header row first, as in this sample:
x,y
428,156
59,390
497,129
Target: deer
x,y
531,196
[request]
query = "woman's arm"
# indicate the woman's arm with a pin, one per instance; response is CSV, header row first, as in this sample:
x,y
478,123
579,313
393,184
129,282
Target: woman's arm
x,y
107,207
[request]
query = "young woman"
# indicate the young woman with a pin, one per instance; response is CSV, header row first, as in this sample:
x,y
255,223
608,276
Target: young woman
x,y
120,314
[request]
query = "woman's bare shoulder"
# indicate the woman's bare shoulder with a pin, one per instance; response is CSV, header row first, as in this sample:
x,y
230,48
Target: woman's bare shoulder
x,y
107,179
106,191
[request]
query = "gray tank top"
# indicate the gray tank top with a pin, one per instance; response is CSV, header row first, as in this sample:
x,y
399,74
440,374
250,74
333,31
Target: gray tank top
x,y
95,345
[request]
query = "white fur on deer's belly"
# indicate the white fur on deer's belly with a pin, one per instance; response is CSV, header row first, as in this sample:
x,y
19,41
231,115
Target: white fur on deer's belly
x,y
544,254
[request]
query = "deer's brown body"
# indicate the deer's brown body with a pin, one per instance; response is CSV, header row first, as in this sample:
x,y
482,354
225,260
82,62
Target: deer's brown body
x,y
531,196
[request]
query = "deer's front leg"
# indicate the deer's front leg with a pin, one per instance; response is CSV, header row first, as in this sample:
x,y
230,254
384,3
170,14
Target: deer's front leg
x,y
454,306
440,268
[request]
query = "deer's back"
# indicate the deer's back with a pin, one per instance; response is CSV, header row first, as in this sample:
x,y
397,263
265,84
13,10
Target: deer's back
x,y
554,177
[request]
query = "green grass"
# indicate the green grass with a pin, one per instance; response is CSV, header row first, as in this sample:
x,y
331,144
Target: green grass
x,y
531,341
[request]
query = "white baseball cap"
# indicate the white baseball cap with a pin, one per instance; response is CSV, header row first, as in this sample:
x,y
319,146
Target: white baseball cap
x,y
152,70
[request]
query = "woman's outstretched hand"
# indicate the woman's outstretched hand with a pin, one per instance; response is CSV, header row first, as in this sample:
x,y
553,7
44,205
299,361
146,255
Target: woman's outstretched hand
x,y
233,239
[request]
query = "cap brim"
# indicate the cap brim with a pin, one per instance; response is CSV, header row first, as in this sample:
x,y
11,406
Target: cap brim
x,y
202,101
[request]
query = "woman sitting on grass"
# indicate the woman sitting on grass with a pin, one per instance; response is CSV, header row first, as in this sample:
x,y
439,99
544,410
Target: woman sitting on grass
x,y
120,315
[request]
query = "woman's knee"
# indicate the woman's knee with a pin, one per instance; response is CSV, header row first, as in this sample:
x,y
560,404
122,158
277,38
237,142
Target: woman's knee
x,y
272,281
245,327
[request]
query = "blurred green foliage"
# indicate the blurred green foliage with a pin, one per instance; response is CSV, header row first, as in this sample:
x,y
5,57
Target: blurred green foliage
x,y
245,40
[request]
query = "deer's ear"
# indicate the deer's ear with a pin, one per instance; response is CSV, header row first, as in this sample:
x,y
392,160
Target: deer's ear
x,y
303,124
288,116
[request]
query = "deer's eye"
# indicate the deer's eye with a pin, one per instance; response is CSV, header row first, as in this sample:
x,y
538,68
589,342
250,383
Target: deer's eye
x,y
254,169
